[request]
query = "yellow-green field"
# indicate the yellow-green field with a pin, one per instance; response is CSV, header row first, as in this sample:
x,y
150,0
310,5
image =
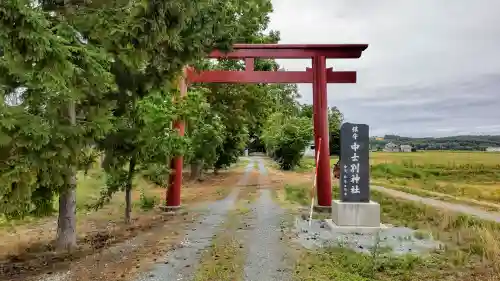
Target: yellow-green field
x,y
437,158
466,175
431,157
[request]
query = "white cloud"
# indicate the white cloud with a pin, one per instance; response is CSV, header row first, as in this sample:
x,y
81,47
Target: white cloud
x,y
430,64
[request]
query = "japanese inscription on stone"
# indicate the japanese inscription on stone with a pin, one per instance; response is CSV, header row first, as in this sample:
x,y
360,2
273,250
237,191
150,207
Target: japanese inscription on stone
x,y
354,163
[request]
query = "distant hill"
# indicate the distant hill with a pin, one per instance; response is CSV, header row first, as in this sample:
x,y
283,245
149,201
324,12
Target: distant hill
x,y
445,143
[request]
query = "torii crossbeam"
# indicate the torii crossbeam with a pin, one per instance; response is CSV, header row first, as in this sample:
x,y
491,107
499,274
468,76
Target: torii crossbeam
x,y
318,75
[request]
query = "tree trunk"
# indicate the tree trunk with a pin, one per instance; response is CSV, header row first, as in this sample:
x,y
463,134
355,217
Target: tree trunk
x,y
66,222
196,170
101,159
128,190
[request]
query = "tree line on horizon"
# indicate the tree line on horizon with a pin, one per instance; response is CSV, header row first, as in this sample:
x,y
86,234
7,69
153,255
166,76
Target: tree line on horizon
x,y
463,142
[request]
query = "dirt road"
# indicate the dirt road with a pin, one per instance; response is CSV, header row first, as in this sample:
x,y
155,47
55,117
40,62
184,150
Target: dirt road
x,y
454,207
266,259
265,252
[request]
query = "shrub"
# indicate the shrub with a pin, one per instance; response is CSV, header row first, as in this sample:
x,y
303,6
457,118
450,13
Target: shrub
x,y
286,138
147,202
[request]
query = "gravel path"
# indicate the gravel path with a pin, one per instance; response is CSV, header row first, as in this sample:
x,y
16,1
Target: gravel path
x,y
491,216
266,257
180,264
463,199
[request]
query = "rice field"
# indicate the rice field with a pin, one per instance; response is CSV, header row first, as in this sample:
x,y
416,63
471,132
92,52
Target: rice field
x,y
474,175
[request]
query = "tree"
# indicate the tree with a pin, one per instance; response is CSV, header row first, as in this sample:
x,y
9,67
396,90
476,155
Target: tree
x,y
205,131
306,110
478,143
335,119
151,41
244,108
61,112
230,103
286,137
274,98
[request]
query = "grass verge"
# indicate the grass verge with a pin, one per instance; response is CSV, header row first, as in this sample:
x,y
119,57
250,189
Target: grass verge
x,y
471,248
225,258
336,263
463,233
242,163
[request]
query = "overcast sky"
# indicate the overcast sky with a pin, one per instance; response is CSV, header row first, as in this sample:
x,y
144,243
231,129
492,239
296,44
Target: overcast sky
x,y
432,67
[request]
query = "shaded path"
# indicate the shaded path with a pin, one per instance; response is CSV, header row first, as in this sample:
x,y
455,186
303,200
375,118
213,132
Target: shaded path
x,y
491,216
266,252
180,264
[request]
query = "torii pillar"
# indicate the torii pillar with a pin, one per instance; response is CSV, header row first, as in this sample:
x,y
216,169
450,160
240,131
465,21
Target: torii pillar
x,y
321,131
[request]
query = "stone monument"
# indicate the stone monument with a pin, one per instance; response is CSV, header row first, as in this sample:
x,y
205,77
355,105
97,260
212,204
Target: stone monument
x,y
355,210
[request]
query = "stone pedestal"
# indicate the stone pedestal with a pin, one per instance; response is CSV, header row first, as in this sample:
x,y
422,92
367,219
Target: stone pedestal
x,y
322,209
356,214
170,209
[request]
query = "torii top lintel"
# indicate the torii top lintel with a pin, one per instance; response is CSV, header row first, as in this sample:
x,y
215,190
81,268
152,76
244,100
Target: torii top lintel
x,y
289,51
281,51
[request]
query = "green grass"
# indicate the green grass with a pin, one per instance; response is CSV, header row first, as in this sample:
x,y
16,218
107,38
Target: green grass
x,y
437,157
463,231
478,182
469,241
307,164
471,246
88,191
224,260
471,252
427,166
419,190
89,188
242,163
474,175
337,263
297,194
450,172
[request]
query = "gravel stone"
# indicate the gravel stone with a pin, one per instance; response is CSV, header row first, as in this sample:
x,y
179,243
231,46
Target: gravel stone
x,y
181,263
266,257
394,240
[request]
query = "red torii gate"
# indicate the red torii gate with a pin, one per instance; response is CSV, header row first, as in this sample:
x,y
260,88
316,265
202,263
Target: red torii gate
x,y
318,75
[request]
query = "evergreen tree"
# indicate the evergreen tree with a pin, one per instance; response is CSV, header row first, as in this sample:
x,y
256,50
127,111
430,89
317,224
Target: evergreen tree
x,y
61,112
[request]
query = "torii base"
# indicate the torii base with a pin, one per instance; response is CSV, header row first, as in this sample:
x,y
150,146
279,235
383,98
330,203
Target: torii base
x,y
322,209
170,209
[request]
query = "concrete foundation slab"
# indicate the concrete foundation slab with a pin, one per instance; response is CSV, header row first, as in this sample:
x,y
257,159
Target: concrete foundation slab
x,y
354,229
356,214
397,240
